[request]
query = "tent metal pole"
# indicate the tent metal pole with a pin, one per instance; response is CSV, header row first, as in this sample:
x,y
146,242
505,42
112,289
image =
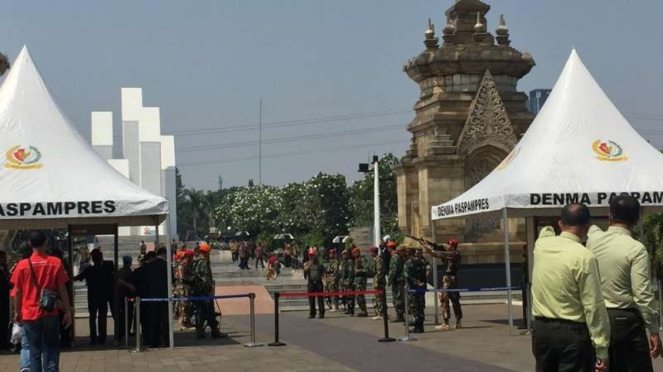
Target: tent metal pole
x,y
531,238
435,281
72,296
116,295
169,273
507,264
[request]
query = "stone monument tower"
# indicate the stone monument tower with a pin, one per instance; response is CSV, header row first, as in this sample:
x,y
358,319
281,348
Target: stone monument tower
x,y
469,116
4,64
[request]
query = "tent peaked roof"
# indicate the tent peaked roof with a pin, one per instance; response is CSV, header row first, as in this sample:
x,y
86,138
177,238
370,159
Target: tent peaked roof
x,y
579,148
49,175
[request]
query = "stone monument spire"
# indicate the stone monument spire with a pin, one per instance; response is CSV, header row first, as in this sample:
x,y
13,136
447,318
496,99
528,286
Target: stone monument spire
x,y
4,64
431,40
468,116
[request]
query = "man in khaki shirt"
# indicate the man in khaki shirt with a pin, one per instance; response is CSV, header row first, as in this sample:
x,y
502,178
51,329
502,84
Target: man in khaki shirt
x,y
627,289
571,331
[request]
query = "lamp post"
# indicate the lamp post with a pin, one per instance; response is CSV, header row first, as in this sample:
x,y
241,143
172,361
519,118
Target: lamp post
x,y
365,168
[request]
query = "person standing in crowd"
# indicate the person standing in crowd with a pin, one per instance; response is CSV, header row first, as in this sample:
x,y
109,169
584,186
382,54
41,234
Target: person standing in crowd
x,y
41,277
379,282
156,275
183,285
203,285
233,250
331,278
571,329
125,279
361,273
98,279
315,271
243,255
414,270
347,281
385,253
451,257
258,253
627,289
397,281
4,301
173,246
65,334
142,253
140,277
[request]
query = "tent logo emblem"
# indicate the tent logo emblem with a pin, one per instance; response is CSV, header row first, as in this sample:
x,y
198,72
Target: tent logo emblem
x,y
607,150
19,157
505,163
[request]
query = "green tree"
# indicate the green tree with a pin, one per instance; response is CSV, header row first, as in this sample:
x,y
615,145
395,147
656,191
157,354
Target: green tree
x,y
326,205
198,205
653,240
361,198
184,215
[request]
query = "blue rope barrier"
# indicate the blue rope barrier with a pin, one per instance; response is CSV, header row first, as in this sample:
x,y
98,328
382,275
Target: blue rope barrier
x,y
194,298
469,289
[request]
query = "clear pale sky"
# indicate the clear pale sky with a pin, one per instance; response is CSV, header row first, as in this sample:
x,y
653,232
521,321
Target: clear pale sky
x,y
207,63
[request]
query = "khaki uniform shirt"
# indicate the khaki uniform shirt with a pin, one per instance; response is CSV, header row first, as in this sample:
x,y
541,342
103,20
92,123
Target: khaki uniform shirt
x,y
625,273
566,285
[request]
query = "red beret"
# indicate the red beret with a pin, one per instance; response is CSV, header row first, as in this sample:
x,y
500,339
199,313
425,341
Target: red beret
x,y
189,253
374,249
391,244
453,242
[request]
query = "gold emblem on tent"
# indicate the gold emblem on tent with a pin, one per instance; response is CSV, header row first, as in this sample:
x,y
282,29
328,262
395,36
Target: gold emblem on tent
x,y
607,150
19,157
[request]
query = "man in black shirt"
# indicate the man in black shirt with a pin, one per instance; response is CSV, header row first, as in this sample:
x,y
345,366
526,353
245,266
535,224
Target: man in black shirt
x,y
156,277
98,280
4,301
127,290
314,271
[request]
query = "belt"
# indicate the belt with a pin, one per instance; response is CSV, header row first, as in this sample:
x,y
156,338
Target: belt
x,y
555,320
628,309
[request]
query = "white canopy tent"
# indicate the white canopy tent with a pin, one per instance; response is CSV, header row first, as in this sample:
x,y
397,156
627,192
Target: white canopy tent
x,y
50,177
578,149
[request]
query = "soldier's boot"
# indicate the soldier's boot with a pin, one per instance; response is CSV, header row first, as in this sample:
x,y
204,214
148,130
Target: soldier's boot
x,y
459,324
200,333
362,314
443,327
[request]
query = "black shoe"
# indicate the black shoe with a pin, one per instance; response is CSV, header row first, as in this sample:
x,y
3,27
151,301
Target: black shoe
x,y
93,342
311,316
321,316
417,330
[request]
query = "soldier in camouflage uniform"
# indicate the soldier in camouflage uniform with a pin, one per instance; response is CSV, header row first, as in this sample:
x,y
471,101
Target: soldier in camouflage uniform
x,y
361,268
451,257
379,282
415,276
347,281
183,276
397,282
203,285
331,278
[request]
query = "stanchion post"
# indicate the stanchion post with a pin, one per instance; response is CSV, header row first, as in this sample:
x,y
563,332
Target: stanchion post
x,y
277,341
407,316
126,322
436,301
252,315
139,337
385,318
660,306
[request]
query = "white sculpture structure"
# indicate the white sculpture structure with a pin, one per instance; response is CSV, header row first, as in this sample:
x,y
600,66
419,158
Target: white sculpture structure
x,y
148,158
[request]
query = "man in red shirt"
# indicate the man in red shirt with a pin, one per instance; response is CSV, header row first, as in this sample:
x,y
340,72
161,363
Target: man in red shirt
x,y
31,278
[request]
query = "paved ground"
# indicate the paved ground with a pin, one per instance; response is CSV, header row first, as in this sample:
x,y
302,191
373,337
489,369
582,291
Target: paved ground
x,y
336,343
